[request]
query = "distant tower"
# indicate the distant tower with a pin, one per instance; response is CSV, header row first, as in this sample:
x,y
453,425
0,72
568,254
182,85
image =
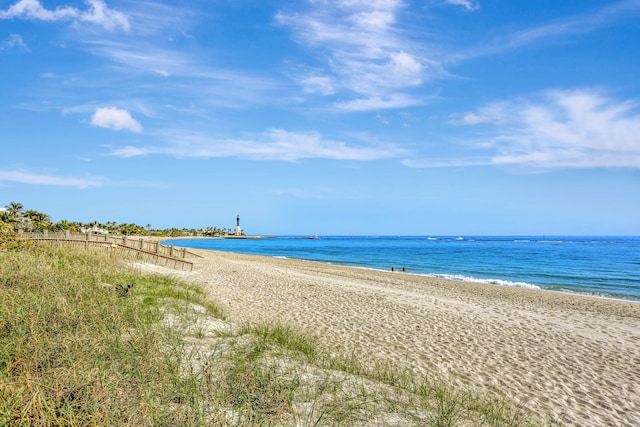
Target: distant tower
x,y
238,231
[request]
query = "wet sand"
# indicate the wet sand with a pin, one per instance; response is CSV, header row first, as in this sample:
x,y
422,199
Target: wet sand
x,y
570,359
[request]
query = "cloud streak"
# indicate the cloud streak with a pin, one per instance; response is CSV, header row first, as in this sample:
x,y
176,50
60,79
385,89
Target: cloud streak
x,y
466,4
570,26
38,179
97,13
273,145
572,129
569,129
13,41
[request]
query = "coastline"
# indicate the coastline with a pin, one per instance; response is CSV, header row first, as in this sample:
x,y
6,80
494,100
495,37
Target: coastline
x,y
583,265
572,358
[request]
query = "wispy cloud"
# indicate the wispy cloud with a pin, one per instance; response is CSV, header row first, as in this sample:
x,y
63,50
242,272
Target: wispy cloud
x,y
13,41
363,50
378,103
186,74
578,24
138,55
466,4
38,179
583,23
444,162
274,144
559,129
96,13
116,119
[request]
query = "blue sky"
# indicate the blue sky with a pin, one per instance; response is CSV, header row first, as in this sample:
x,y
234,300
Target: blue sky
x,y
325,117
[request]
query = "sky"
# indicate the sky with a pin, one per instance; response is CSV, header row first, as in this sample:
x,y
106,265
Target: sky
x,y
352,117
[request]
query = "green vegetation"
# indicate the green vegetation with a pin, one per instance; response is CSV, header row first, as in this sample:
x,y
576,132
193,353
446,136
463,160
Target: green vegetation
x,y
32,220
74,351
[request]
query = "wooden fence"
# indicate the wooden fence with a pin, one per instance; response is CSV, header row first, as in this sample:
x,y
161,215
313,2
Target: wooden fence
x,y
134,249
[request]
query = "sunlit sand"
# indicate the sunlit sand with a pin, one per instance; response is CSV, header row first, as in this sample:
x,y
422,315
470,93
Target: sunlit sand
x,y
568,358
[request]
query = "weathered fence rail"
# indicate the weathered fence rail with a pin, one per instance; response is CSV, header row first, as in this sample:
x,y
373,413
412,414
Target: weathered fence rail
x,y
131,249
131,242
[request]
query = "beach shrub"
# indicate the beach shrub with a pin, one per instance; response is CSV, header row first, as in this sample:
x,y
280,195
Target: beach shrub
x,y
10,240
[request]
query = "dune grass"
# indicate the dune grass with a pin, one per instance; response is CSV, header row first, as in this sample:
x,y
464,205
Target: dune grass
x,y
73,351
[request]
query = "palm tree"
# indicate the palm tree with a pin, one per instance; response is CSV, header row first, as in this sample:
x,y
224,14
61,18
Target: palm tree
x,y
40,220
14,209
62,225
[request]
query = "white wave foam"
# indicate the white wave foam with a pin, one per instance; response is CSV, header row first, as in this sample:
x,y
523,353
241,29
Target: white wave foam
x,y
499,282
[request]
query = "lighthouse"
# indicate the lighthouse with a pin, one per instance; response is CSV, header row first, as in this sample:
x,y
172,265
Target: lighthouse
x,y
238,231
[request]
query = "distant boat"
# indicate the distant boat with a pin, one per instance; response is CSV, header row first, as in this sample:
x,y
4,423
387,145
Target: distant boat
x,y
432,238
314,237
459,238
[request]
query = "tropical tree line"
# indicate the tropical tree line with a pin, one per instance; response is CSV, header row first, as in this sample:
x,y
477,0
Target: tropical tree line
x,y
14,215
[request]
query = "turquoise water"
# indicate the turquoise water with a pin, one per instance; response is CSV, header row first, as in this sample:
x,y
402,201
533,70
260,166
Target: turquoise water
x,y
604,266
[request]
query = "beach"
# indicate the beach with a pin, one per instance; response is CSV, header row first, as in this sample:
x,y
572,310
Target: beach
x,y
569,359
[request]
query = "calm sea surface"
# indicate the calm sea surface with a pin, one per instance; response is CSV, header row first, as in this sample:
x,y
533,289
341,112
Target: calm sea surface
x,y
605,266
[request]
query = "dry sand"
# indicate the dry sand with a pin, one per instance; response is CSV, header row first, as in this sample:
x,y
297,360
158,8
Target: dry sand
x,y
570,359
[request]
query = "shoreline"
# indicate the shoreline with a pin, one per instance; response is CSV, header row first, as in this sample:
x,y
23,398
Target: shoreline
x,y
488,282
571,358
451,277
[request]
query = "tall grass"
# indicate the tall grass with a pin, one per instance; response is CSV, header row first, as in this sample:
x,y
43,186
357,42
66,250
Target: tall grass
x,y
74,352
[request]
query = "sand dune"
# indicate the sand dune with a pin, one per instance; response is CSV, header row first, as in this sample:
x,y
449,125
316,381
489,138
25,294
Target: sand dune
x,y
571,359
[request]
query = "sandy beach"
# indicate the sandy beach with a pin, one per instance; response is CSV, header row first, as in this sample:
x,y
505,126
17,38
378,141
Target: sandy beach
x,y
571,359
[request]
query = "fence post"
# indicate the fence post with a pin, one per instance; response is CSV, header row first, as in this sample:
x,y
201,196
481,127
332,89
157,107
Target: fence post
x,y
87,236
141,244
170,251
124,240
66,234
45,233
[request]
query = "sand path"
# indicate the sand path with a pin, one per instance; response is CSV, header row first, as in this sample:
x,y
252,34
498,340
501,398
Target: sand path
x,y
574,359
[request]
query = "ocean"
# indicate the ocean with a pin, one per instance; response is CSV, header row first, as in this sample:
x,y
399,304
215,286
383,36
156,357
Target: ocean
x,y
601,266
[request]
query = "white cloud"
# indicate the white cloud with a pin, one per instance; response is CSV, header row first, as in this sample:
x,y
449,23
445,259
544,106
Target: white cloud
x,y
98,13
560,129
377,103
320,84
32,9
116,119
375,19
493,113
362,47
467,4
13,41
467,119
274,144
36,179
